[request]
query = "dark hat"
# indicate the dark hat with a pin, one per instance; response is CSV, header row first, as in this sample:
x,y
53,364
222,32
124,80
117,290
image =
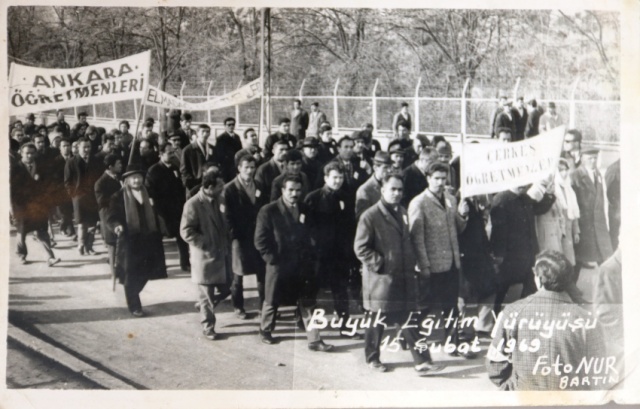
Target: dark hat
x,y
382,158
444,149
310,142
31,116
132,169
591,151
395,147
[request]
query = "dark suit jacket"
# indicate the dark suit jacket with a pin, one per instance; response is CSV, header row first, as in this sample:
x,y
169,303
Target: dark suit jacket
x,y
415,182
62,127
326,152
595,242
271,140
285,245
168,194
533,123
265,175
191,165
226,148
106,187
299,123
520,122
79,180
312,168
241,215
276,186
503,121
29,209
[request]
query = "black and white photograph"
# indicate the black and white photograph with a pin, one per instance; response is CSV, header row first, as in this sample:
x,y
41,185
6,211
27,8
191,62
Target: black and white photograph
x,y
320,205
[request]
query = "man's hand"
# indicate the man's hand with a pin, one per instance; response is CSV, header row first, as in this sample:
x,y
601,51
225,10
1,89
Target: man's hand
x,y
463,208
576,238
118,230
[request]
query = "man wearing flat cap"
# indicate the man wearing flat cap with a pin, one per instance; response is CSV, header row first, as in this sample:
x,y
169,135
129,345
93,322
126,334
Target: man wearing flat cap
x,y
370,192
595,243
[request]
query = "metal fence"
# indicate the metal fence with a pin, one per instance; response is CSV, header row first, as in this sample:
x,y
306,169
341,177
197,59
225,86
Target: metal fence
x,y
599,120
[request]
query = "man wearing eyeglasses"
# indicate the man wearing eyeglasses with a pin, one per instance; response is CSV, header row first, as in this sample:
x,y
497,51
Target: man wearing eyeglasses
x,y
228,144
571,148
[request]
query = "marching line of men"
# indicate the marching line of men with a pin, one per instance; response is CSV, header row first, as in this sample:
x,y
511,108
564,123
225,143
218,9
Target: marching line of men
x,y
384,229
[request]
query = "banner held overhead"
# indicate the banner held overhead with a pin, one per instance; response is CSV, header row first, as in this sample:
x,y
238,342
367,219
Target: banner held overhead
x,y
495,167
34,89
158,98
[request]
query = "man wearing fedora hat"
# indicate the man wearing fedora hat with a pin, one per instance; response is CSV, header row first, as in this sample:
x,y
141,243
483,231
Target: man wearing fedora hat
x,y
139,251
369,193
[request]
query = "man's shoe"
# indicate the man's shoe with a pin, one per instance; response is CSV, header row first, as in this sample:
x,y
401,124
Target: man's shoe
x,y
241,314
81,250
320,346
210,334
465,355
267,338
53,261
90,252
377,366
53,243
221,297
75,237
428,368
138,313
186,269
23,259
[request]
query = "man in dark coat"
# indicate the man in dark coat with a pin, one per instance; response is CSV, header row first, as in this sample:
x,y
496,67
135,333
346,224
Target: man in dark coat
x,y
520,118
505,119
370,192
227,145
402,116
415,176
513,238
330,222
80,175
105,187
243,199
328,148
282,237
311,166
533,122
194,157
299,120
167,191
140,254
595,242
292,166
612,181
62,198
270,170
62,126
29,204
494,115
383,245
281,135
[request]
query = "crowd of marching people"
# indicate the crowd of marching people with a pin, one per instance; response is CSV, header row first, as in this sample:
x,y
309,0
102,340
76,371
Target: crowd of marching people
x,y
384,230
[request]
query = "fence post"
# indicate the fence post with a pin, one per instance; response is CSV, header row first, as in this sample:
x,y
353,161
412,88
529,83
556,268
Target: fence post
x,y
374,107
416,106
209,97
184,83
572,104
135,108
463,110
301,88
335,104
515,90
238,107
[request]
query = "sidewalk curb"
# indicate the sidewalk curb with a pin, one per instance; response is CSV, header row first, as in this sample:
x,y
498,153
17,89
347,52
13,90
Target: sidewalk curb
x,y
65,359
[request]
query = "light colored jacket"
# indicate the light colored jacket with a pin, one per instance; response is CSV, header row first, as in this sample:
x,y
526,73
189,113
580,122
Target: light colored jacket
x,y
434,231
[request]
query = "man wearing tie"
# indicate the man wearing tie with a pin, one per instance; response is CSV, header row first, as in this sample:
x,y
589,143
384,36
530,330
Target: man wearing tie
x,y
595,243
194,156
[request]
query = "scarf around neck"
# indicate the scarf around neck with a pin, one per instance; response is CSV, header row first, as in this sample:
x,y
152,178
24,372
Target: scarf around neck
x,y
131,211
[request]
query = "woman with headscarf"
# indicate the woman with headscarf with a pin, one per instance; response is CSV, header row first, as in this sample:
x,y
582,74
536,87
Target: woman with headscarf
x,y
139,251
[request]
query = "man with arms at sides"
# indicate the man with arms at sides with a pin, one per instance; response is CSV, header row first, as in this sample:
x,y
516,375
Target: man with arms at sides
x,y
383,245
328,148
533,122
29,204
402,116
203,226
519,369
281,135
227,145
283,240
520,118
167,191
243,200
274,167
194,157
292,166
594,246
316,117
64,203
494,115
299,120
415,176
80,175
435,220
105,187
370,192
330,222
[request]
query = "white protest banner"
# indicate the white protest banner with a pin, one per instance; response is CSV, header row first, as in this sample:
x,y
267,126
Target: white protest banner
x,y
246,93
34,89
494,167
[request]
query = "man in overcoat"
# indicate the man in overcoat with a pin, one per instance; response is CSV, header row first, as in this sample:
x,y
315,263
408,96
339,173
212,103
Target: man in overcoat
x,y
194,157
203,226
283,239
415,176
105,187
595,242
370,192
243,199
270,170
281,135
80,175
167,191
299,120
227,145
383,245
